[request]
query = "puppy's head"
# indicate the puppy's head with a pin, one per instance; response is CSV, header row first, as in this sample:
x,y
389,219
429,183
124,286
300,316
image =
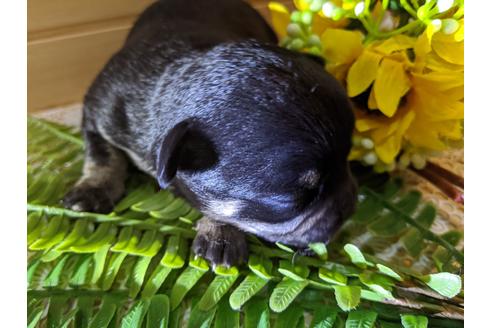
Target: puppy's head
x,y
266,149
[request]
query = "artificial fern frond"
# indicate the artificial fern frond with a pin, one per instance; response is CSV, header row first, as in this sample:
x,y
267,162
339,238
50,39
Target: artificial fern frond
x,y
134,268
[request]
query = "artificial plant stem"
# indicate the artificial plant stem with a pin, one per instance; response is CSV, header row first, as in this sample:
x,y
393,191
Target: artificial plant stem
x,y
408,8
45,293
425,232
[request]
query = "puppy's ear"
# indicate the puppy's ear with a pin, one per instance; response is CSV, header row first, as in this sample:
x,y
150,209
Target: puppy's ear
x,y
318,59
184,148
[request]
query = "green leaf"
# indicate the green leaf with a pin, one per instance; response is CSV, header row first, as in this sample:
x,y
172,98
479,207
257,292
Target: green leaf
x,y
260,266
52,235
200,318
81,271
154,203
173,210
356,256
80,229
412,321
295,272
112,269
185,282
138,275
320,250
99,262
225,271
226,317
176,317
175,255
249,287
323,318
215,291
135,315
446,284
256,314
389,272
379,283
34,315
156,280
56,308
124,237
367,210
158,313
136,196
149,244
348,297
85,306
285,292
361,319
53,278
104,235
290,317
284,247
332,277
105,314
198,263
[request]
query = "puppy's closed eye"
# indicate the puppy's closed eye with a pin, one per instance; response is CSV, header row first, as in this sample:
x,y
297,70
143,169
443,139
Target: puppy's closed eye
x,y
310,179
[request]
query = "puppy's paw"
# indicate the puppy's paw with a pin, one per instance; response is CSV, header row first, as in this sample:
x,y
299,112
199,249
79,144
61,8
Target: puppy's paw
x,y
85,198
220,244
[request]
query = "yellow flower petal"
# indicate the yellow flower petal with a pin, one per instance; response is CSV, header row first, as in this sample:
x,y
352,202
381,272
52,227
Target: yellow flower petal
x,y
436,63
280,18
372,103
452,52
301,4
395,43
421,134
434,106
421,49
341,46
459,35
390,85
363,72
388,148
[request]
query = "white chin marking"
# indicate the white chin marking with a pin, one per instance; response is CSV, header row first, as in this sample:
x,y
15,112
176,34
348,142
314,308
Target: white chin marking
x,y
226,208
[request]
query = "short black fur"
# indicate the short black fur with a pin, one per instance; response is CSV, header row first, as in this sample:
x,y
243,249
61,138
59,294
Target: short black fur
x,y
201,98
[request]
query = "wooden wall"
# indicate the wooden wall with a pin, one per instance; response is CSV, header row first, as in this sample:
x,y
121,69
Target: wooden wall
x,y
69,41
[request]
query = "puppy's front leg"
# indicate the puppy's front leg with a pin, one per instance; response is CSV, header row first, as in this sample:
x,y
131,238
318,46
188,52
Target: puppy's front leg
x,y
220,243
102,182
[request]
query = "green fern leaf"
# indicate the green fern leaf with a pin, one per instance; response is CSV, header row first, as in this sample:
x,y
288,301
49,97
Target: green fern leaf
x,y
215,291
154,203
361,319
445,283
260,266
158,313
412,321
138,275
356,256
185,282
348,297
136,196
257,314
81,271
112,269
200,318
53,278
290,317
295,272
156,280
135,316
99,263
285,292
323,318
249,287
103,317
332,276
226,317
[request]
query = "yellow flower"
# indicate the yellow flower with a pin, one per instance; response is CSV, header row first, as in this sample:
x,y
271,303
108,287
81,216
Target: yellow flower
x,y
280,18
422,100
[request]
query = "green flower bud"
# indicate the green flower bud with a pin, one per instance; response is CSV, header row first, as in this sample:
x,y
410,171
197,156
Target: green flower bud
x,y
315,51
338,14
404,160
418,161
294,30
296,44
370,158
314,41
444,5
437,23
356,140
422,13
367,143
307,18
296,16
449,26
316,5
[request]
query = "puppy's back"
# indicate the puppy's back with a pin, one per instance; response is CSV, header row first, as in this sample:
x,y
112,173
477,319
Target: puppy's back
x,y
202,23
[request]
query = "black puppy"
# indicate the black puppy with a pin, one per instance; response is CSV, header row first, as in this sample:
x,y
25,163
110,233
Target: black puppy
x,y
253,135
